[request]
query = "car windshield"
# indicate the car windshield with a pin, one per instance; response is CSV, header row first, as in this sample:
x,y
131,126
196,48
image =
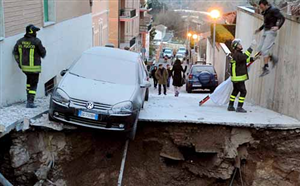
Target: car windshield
x,y
182,49
106,69
168,51
199,69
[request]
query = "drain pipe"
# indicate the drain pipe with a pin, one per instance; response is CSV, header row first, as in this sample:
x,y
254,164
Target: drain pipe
x,y
4,181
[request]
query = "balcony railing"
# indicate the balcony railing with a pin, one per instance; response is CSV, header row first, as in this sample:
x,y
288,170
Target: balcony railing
x,y
145,28
126,42
127,13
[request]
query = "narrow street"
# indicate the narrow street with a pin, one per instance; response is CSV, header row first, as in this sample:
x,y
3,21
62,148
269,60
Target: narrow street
x,y
79,105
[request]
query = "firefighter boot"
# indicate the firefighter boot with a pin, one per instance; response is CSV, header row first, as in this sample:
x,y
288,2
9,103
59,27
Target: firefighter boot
x,y
230,106
30,102
240,109
266,71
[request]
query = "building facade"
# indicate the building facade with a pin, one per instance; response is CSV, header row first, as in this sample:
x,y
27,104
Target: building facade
x,y
100,13
66,31
124,19
145,27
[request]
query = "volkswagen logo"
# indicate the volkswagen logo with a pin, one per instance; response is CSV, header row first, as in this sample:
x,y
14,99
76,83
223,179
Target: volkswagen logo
x,y
90,105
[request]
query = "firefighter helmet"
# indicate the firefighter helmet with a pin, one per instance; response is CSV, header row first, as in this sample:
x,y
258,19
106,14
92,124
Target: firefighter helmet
x,y
235,43
31,29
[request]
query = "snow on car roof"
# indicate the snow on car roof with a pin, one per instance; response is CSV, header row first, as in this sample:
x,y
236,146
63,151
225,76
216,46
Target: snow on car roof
x,y
115,53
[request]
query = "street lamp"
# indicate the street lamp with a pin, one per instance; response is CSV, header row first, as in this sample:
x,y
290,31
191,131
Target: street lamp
x,y
214,14
195,37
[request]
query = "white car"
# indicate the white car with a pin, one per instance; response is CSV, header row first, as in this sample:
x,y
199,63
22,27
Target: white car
x,y
105,89
168,54
181,50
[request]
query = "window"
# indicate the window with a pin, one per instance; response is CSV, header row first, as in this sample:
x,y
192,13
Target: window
x,y
49,12
1,20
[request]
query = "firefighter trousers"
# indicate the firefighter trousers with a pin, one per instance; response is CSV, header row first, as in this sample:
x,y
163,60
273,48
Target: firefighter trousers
x,y
238,87
31,85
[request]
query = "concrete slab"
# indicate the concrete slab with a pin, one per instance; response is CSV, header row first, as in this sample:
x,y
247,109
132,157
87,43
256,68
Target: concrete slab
x,y
15,114
186,109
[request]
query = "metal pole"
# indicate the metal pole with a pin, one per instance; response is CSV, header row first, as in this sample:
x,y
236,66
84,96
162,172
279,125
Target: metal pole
x,y
214,43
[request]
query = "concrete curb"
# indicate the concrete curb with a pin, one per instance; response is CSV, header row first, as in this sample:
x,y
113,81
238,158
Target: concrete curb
x,y
18,124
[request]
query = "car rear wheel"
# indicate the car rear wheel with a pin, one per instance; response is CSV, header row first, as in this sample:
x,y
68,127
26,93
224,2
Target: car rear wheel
x,y
188,88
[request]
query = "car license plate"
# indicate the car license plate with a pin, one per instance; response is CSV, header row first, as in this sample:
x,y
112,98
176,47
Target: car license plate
x,y
88,115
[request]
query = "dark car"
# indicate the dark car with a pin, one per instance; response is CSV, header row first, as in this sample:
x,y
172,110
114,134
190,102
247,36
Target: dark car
x,y
201,77
93,93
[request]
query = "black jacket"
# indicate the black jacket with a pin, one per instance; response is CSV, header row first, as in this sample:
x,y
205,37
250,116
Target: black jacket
x,y
272,17
29,49
177,72
239,65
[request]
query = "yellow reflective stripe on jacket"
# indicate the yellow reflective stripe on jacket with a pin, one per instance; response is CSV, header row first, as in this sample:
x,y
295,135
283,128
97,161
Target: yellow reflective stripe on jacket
x,y
21,55
234,69
32,92
247,53
31,57
239,78
27,85
235,78
31,69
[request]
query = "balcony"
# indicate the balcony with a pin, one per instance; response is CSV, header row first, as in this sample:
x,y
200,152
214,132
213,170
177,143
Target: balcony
x,y
146,7
145,28
127,14
127,42
146,24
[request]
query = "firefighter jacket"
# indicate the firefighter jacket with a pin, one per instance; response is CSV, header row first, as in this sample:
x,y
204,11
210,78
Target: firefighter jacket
x,y
239,62
28,52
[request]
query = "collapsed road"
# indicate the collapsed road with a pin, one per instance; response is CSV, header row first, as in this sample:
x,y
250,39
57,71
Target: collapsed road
x,y
161,154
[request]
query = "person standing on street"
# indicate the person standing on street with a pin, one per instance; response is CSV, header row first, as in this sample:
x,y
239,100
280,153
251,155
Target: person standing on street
x,y
28,52
154,77
239,74
273,21
162,77
169,75
177,75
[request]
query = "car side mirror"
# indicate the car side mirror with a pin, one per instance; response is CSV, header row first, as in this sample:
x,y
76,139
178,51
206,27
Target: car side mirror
x,y
145,84
63,72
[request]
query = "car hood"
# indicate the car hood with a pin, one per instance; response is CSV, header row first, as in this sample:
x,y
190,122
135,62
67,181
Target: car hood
x,y
96,91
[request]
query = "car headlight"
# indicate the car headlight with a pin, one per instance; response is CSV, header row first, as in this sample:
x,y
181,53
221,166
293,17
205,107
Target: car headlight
x,y
122,108
61,96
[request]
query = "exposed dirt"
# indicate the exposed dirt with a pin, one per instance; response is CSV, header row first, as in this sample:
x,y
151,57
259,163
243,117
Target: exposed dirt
x,y
161,155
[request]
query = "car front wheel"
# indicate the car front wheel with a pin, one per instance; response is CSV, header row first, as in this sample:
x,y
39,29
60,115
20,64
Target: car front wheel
x,y
132,133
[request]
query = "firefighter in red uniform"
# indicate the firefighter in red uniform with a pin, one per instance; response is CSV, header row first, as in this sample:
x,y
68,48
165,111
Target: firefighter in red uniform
x,y
28,52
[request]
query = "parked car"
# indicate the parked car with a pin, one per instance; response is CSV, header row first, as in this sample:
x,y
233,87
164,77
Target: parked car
x,y
181,50
201,77
168,54
105,89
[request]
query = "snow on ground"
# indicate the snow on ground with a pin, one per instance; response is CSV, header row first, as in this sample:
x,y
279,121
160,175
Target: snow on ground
x,y
17,112
186,109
